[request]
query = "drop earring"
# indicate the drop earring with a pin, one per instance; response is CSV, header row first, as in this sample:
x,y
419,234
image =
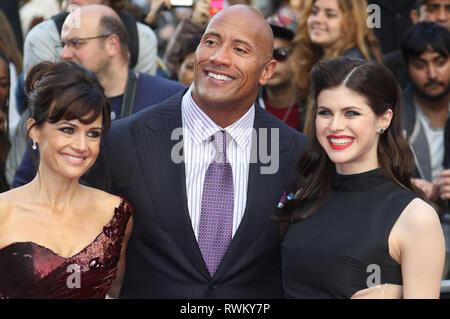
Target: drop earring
x,y
34,146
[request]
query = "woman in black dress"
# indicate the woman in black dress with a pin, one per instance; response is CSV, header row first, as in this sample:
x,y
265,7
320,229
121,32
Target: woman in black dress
x,y
357,227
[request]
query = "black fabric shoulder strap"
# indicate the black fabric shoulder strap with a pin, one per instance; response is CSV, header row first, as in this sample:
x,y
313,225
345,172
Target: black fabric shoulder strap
x,y
130,25
129,94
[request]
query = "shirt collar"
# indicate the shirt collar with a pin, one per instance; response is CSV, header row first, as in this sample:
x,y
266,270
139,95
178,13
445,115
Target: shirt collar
x,y
200,127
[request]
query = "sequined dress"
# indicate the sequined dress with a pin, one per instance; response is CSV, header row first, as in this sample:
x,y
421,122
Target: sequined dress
x,y
29,270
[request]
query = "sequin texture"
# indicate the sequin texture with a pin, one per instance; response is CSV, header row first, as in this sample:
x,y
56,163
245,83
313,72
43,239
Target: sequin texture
x,y
29,270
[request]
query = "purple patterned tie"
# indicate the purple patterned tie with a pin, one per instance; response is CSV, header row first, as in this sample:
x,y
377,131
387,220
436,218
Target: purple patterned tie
x,y
216,218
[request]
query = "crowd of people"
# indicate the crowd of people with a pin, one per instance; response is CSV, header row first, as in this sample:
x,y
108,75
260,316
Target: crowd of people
x,y
260,149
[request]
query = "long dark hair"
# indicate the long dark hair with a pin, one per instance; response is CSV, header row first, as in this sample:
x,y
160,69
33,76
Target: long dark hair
x,y
315,171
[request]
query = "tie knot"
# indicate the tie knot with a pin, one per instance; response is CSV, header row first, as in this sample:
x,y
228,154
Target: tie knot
x,y
220,142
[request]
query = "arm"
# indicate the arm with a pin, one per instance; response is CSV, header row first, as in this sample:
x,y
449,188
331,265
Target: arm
x,y
186,29
155,8
430,189
421,247
40,44
117,283
443,184
437,192
148,47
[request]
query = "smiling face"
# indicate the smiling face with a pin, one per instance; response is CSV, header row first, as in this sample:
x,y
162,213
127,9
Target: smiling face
x,y
67,148
348,129
325,23
232,60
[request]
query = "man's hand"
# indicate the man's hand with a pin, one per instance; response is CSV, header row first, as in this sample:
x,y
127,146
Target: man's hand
x,y
154,9
431,190
201,13
443,183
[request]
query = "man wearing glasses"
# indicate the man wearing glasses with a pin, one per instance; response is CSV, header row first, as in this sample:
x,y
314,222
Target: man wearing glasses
x,y
100,45
278,95
40,42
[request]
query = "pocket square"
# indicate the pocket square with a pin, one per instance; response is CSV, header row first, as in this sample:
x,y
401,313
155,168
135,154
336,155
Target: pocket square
x,y
284,199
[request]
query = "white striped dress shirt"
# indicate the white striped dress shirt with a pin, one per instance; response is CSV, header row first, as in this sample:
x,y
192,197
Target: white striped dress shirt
x,y
199,152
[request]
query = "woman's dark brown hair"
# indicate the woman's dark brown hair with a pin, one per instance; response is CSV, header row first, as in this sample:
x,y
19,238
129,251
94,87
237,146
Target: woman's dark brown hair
x,y
315,171
66,91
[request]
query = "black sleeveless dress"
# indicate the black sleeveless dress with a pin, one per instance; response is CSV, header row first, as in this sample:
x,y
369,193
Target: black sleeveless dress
x,y
343,247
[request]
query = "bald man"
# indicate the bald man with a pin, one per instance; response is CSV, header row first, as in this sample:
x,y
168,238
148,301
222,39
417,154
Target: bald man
x,y
205,172
41,43
99,43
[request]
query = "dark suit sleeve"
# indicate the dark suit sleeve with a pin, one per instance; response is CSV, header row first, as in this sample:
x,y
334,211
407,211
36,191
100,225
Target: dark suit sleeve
x,y
298,143
26,170
302,143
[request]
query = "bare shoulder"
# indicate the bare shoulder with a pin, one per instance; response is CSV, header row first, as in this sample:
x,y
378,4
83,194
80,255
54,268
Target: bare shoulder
x,y
419,212
8,203
10,199
6,206
9,195
418,217
103,199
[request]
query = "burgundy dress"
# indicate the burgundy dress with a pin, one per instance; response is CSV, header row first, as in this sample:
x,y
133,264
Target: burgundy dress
x,y
29,270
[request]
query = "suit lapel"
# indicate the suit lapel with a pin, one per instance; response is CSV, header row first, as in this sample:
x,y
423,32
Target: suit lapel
x,y
164,175
422,154
166,184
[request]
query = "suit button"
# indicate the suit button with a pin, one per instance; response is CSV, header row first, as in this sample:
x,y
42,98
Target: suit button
x,y
212,286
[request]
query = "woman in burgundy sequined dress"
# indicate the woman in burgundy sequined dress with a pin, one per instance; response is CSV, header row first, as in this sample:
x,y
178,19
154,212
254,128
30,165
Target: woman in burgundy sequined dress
x,y
60,239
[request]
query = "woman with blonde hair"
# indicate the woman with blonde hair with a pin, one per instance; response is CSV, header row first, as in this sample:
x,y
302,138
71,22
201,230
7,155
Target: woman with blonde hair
x,y
329,29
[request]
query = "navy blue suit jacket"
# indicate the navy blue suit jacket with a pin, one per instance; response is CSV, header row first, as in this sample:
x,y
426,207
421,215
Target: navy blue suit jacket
x,y
163,257
150,90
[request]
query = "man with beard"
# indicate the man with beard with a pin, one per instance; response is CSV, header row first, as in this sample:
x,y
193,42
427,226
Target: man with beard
x,y
426,115
437,11
100,44
278,95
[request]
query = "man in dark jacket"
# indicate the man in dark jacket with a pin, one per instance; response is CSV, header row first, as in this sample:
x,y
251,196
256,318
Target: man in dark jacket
x,y
173,182
426,50
424,10
100,45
